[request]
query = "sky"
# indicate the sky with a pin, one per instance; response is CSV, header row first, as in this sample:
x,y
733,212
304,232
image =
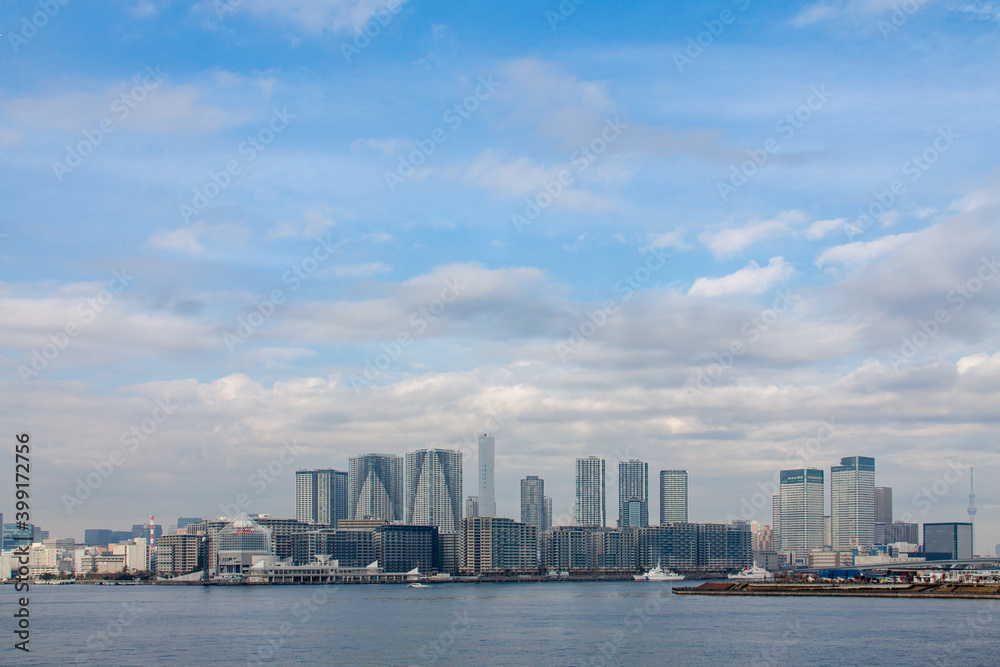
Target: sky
x,y
242,237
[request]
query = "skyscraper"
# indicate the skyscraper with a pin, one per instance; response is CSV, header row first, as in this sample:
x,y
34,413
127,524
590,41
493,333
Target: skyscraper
x,y
883,514
852,502
434,488
633,494
533,502
548,513
375,486
800,514
590,492
673,496
321,496
471,507
487,497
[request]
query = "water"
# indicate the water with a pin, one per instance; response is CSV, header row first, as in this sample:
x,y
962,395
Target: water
x,y
557,624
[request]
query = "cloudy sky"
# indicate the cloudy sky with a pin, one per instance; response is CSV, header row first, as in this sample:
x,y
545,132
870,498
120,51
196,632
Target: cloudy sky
x,y
731,238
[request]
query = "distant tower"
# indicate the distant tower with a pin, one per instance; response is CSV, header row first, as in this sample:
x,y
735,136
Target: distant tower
x,y
972,510
152,537
487,498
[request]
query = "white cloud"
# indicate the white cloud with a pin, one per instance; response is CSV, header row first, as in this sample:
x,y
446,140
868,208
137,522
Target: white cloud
x,y
821,228
674,239
317,16
751,279
191,239
729,242
314,223
860,252
821,11
362,270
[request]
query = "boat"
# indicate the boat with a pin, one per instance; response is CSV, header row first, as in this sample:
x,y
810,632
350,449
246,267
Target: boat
x,y
658,574
755,573
417,584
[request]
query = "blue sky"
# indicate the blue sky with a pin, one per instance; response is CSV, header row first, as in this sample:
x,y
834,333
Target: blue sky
x,y
747,162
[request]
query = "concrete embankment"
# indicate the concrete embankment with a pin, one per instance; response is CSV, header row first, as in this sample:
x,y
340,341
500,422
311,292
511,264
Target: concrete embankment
x,y
969,591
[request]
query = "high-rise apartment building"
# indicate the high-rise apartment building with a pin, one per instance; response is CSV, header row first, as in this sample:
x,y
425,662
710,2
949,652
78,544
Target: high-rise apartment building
x,y
487,496
590,492
533,502
321,496
434,488
471,507
548,512
375,487
633,494
673,496
800,513
852,502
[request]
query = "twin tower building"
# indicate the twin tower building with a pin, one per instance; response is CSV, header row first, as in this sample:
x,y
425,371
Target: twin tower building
x,y
422,488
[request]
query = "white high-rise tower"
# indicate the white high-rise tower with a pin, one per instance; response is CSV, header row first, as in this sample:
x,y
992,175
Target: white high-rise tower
x,y
487,497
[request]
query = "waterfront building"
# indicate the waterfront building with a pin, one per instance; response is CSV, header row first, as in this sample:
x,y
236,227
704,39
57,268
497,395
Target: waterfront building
x,y
953,538
450,552
375,487
694,547
242,544
177,554
633,494
487,496
673,496
852,503
495,545
830,559
590,492
281,532
580,549
548,512
321,496
434,488
533,502
800,499
471,507
95,563
351,548
403,547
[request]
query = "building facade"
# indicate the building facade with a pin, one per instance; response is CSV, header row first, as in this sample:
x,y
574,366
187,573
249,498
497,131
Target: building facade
x,y
954,538
375,487
177,554
533,502
673,496
494,545
471,507
852,503
590,492
434,488
321,496
800,513
487,495
633,494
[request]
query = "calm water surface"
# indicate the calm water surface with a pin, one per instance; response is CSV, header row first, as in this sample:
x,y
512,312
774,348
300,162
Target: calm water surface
x,y
550,624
